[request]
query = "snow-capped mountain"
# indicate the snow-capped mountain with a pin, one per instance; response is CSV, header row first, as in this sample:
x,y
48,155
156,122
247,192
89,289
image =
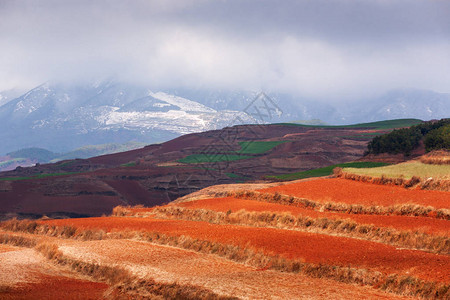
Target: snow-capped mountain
x,y
8,95
62,117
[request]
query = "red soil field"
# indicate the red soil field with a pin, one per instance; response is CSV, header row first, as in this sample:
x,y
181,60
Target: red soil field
x,y
428,225
56,287
169,264
354,192
26,274
310,247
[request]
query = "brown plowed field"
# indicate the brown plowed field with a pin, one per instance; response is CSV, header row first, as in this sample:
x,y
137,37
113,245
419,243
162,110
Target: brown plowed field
x,y
428,225
169,264
310,247
353,192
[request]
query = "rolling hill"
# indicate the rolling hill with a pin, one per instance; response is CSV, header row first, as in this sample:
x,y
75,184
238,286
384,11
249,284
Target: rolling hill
x,y
160,173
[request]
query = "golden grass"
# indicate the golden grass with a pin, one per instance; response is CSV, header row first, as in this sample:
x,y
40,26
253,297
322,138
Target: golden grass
x,y
33,227
17,240
413,182
344,227
439,157
400,209
405,170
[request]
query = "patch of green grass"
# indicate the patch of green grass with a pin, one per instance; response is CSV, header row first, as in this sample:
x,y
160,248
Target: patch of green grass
x,y
387,124
257,147
236,176
209,158
66,163
37,176
327,170
130,164
405,170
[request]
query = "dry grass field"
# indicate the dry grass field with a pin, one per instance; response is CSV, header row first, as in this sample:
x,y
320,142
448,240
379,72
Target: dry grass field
x,y
406,170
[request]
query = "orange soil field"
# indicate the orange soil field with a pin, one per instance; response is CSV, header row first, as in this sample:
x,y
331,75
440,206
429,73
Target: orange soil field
x,y
169,264
56,287
25,274
424,224
310,247
355,192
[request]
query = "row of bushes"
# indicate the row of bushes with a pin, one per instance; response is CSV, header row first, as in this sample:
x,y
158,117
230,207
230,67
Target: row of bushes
x,y
436,135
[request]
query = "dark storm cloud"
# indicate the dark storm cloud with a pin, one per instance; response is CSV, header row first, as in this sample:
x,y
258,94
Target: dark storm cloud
x,y
320,48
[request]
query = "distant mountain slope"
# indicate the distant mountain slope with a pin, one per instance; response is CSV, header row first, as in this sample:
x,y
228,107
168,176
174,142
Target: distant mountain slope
x,y
419,104
8,95
398,104
61,118
64,117
28,157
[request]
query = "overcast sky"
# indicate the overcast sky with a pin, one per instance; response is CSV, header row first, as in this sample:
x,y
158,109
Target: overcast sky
x,y
325,49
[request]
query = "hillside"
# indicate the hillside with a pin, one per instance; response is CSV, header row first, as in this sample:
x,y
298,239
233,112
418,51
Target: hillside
x,y
160,173
307,239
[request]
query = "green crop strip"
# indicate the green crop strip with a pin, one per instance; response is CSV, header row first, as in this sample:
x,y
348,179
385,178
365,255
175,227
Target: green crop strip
x,y
258,147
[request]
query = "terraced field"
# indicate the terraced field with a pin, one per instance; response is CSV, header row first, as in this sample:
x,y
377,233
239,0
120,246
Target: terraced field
x,y
311,239
337,190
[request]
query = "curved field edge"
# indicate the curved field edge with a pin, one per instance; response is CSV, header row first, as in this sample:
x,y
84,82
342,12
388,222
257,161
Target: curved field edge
x,y
394,283
400,209
335,190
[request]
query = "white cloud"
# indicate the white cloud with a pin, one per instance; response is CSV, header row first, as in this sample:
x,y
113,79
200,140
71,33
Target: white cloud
x,y
323,49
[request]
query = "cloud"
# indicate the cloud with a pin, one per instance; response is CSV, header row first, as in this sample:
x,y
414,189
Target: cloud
x,y
323,49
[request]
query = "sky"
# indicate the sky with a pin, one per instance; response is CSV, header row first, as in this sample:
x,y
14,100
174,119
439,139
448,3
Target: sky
x,y
333,49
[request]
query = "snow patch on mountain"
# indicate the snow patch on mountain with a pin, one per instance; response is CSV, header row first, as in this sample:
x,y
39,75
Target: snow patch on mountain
x,y
182,103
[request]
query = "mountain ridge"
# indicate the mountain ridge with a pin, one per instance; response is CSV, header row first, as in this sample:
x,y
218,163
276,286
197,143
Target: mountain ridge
x,y
62,117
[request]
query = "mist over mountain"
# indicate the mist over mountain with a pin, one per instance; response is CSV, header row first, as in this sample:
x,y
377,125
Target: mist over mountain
x,y
8,95
397,104
62,117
